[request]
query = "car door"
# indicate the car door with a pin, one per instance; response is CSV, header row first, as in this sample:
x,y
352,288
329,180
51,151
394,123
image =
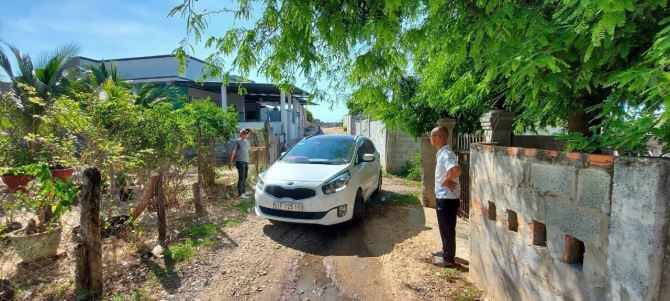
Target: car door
x,y
373,167
361,167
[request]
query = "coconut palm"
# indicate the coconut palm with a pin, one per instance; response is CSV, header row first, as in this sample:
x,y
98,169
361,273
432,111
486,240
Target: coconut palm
x,y
97,75
34,89
50,78
149,94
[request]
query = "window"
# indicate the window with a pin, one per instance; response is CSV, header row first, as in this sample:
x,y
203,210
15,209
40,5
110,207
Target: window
x,y
321,151
370,148
361,150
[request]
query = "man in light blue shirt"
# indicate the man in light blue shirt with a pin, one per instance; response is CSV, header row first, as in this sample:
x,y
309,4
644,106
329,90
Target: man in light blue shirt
x,y
447,192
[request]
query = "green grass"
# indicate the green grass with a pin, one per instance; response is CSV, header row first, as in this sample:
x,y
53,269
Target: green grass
x,y
403,199
196,237
231,223
183,251
469,294
204,231
450,274
245,204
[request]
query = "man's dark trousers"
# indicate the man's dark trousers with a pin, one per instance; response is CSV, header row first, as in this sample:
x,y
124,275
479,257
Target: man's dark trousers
x,y
242,169
447,209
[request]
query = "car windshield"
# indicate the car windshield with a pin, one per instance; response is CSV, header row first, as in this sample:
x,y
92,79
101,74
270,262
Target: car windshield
x,y
321,151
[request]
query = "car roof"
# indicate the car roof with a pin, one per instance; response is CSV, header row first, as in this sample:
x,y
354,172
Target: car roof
x,y
332,137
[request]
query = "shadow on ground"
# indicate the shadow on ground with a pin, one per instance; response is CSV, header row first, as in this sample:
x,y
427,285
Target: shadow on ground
x,y
386,224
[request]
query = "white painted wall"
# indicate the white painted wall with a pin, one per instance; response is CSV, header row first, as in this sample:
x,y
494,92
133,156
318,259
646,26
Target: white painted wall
x,y
153,67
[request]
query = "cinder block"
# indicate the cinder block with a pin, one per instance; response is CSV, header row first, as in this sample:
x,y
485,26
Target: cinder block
x,y
557,180
595,266
638,223
512,167
589,226
594,189
555,242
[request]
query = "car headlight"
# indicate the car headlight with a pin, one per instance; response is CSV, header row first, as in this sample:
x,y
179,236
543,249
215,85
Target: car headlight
x,y
260,184
337,184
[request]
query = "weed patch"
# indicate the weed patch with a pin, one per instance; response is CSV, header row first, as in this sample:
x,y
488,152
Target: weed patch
x,y
204,231
231,223
403,199
182,251
196,237
245,206
450,274
469,294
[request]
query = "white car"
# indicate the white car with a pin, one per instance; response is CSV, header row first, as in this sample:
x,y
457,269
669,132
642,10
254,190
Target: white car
x,y
324,179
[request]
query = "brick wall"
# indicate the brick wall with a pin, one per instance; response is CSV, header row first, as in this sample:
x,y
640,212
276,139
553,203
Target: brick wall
x,y
543,223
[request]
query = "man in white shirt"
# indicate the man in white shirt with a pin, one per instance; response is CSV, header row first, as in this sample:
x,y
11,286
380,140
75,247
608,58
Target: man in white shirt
x,y
447,192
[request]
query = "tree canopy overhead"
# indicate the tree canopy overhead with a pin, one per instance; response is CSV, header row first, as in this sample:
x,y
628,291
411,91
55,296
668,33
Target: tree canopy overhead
x,y
599,68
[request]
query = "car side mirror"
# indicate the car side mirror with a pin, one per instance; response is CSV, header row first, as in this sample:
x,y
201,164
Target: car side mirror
x,y
368,157
282,154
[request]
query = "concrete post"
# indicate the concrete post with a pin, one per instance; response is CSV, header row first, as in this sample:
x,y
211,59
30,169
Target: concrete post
x,y
289,118
282,112
497,126
428,161
224,97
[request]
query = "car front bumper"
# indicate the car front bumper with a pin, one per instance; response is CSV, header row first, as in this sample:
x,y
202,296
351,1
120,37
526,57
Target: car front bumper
x,y
320,209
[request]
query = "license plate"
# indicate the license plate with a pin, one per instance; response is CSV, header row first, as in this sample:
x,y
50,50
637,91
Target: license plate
x,y
287,206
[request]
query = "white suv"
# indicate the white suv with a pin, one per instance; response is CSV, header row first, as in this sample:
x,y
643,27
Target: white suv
x,y
323,179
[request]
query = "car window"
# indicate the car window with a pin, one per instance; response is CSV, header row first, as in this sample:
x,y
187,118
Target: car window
x,y
361,150
369,147
311,151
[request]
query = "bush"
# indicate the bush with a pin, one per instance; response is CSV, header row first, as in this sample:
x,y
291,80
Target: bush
x,y
413,169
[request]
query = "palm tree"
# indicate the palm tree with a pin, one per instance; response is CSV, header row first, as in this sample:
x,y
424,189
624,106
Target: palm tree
x,y
97,75
34,90
149,94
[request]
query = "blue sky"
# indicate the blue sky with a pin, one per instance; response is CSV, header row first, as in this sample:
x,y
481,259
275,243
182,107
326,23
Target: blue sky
x,y
112,29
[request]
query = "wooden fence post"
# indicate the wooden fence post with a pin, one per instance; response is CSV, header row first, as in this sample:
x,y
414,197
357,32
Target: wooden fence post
x,y
160,211
88,279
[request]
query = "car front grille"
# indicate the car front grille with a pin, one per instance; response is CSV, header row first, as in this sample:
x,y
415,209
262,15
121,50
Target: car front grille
x,y
292,193
292,214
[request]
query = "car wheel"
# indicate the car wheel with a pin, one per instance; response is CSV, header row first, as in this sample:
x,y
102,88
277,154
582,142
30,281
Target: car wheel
x,y
359,209
379,185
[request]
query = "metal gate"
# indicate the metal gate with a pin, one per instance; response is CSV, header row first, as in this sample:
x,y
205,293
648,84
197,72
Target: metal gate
x,y
461,147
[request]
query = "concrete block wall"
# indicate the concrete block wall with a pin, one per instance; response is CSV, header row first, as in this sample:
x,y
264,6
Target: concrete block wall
x,y
401,148
618,209
395,148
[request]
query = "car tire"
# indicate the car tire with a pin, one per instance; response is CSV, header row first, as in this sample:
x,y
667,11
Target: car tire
x,y
359,209
379,185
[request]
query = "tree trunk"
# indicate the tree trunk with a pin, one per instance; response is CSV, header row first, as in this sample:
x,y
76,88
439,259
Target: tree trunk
x,y
146,197
88,252
581,121
199,208
160,211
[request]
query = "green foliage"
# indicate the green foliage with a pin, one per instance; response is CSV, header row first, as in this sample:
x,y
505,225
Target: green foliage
x,y
245,205
599,67
182,251
309,116
414,170
196,237
469,294
202,232
46,192
450,274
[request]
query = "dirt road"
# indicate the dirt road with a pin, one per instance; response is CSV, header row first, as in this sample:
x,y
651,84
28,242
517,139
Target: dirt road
x,y
381,259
